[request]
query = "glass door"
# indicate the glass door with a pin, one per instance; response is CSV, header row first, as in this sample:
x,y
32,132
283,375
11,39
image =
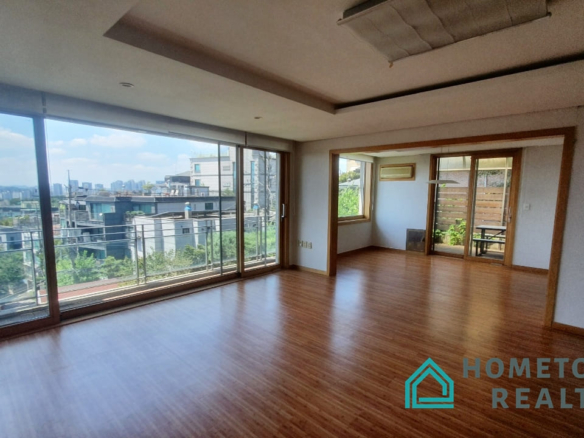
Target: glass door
x,y
491,213
451,205
261,208
23,279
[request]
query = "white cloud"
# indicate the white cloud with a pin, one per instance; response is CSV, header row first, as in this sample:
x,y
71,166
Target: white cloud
x,y
9,140
78,161
121,140
149,156
57,151
78,142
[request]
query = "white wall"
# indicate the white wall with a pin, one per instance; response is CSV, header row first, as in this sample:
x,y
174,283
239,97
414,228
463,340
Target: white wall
x,y
540,175
354,236
310,215
310,221
400,205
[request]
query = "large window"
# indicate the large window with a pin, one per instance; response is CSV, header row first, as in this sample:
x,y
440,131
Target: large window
x,y
129,212
23,290
354,189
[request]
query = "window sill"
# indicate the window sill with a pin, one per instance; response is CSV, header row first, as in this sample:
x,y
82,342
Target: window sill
x,y
353,221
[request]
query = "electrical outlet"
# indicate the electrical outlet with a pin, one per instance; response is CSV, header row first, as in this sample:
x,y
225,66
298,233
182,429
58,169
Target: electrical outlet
x,y
309,245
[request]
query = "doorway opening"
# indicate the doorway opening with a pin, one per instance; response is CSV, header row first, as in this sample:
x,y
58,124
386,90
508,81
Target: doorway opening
x,y
492,162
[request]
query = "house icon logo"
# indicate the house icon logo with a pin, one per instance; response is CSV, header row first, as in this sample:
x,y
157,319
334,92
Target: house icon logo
x,y
429,368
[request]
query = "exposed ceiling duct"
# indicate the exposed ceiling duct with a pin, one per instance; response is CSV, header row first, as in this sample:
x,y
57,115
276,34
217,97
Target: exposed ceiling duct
x,y
401,28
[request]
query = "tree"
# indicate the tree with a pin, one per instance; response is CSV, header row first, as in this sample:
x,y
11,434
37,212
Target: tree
x,y
115,268
11,271
147,187
352,175
348,202
81,268
15,201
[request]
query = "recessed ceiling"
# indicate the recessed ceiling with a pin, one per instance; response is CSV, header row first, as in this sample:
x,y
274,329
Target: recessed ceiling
x,y
60,47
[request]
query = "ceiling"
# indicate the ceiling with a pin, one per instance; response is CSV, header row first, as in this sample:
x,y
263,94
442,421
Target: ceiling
x,y
225,62
462,148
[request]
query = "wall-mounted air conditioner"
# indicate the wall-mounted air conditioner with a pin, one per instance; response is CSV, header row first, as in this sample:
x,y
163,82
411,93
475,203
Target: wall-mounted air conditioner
x,y
397,172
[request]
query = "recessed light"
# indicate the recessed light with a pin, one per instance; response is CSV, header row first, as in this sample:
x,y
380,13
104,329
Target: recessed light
x,y
126,84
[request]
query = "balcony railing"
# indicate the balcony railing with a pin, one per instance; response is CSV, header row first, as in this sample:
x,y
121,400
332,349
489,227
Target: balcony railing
x,y
105,262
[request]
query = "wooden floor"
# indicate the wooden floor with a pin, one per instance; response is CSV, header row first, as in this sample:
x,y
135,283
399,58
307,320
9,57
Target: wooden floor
x,y
296,354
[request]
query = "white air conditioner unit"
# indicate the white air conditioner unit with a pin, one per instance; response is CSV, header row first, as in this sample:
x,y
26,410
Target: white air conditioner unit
x,y
397,172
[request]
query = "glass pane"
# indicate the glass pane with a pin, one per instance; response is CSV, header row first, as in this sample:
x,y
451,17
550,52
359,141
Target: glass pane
x,y
491,207
351,187
228,174
133,210
261,207
23,291
451,204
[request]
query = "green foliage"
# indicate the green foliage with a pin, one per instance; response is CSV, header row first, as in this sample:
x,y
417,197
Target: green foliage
x,y
196,256
348,202
438,236
116,268
15,201
456,233
74,268
147,187
77,268
7,222
11,271
350,176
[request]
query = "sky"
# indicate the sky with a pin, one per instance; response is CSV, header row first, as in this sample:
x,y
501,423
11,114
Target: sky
x,y
92,154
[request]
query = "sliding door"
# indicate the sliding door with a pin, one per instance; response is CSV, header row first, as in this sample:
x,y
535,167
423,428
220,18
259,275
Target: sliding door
x,y
23,273
491,216
474,201
93,217
451,205
261,208
137,211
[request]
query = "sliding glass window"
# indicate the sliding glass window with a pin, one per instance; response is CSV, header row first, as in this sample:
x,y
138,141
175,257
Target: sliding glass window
x,y
135,211
23,289
129,213
261,183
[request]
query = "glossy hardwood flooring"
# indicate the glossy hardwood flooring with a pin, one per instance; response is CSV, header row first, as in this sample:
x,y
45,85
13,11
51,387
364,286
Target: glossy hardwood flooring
x,y
297,354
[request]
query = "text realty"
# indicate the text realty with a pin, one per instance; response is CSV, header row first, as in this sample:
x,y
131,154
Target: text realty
x,y
495,368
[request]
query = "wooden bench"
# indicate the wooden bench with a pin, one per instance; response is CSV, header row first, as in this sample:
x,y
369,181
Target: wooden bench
x,y
479,241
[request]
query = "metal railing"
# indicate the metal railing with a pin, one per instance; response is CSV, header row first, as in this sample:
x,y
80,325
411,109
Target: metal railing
x,y
104,261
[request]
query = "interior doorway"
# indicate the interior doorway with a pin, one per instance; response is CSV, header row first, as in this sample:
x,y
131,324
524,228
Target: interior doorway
x,y
471,146
473,205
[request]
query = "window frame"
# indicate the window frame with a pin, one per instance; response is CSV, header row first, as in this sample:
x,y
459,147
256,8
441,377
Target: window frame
x,y
367,197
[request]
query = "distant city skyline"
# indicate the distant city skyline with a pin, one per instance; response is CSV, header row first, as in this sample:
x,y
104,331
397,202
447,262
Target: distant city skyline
x,y
95,155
